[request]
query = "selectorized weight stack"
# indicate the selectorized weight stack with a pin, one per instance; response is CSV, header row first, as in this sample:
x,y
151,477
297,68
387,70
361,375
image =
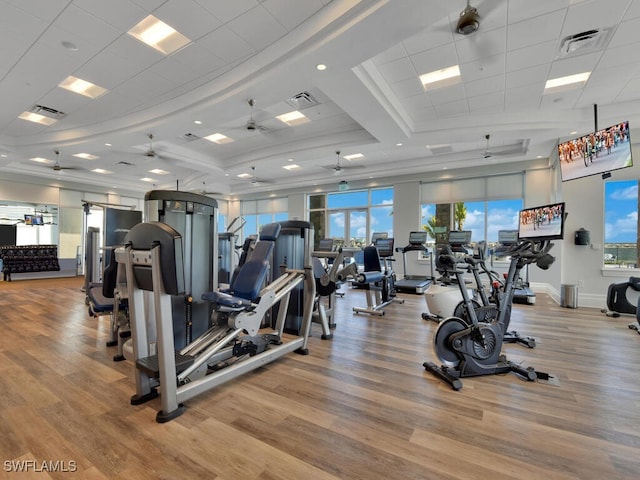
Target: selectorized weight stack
x,y
194,217
293,244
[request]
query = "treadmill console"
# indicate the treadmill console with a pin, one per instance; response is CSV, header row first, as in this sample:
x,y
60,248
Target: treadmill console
x,y
458,239
384,247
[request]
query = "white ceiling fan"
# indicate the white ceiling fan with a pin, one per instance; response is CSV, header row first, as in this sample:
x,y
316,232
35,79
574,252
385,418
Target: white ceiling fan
x,y
338,168
57,167
251,124
255,180
519,148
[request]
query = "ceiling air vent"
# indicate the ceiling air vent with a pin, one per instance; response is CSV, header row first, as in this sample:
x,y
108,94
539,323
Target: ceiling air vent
x,y
302,100
190,136
47,112
584,42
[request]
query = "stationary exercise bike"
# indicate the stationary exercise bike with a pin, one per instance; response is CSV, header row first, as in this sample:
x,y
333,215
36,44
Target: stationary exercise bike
x,y
473,347
477,265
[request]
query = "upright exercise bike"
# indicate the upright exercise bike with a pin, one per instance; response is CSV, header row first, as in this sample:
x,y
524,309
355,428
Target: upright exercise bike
x,y
473,347
477,265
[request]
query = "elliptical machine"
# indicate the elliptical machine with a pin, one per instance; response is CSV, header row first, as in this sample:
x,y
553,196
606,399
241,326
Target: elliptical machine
x,y
473,348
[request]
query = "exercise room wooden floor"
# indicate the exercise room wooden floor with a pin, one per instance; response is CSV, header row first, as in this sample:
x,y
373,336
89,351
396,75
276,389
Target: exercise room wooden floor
x,y
359,406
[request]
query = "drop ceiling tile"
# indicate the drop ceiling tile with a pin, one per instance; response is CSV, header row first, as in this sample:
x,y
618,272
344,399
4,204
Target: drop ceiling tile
x,y
573,65
226,44
394,53
485,68
84,25
446,95
561,101
527,9
258,28
226,11
196,59
535,30
47,11
491,102
398,70
626,33
407,88
481,45
452,109
144,86
593,14
108,69
527,76
416,102
523,98
188,17
291,14
439,34
485,86
633,11
424,114
121,14
537,54
434,59
630,91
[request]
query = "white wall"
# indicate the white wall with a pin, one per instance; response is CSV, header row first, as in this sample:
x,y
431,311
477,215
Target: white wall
x,y
583,265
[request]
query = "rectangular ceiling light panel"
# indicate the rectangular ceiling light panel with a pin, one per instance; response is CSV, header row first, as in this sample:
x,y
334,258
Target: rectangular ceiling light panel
x,y
82,87
445,77
569,82
159,35
293,118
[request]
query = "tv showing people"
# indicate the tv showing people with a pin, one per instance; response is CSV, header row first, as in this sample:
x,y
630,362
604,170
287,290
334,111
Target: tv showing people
x,y
596,153
542,223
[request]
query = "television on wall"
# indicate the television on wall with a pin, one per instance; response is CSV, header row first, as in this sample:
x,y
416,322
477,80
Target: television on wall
x,y
542,223
596,153
33,219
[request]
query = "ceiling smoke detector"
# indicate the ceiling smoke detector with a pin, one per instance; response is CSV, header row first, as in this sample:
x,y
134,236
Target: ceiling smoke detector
x,y
469,20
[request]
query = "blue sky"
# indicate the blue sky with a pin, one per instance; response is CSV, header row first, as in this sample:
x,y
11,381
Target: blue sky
x,y
621,211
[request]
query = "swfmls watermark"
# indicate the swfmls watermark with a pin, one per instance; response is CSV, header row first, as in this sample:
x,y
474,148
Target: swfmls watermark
x,y
39,466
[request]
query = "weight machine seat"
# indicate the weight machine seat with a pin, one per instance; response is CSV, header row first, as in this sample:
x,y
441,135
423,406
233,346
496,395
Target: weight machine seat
x,y
101,295
251,276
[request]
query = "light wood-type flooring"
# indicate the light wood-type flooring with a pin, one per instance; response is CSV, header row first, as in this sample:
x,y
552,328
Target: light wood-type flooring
x,y
359,406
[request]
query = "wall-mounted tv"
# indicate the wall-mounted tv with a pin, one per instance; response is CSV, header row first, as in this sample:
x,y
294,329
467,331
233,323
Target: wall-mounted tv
x,y
33,219
596,153
542,223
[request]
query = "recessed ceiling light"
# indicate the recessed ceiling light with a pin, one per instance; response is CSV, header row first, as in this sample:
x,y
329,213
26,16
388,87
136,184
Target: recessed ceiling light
x,y
3,155
37,118
398,144
159,35
293,118
147,179
107,144
290,160
573,133
293,166
570,80
70,46
41,160
86,156
218,138
353,156
441,78
101,170
321,67
158,171
226,174
82,87
197,122
244,175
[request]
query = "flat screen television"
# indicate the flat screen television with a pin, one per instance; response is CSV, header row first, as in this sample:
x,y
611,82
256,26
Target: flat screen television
x,y
596,153
542,223
33,219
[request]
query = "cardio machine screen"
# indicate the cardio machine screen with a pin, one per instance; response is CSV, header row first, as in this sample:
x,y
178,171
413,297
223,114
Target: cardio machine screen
x,y
460,237
418,238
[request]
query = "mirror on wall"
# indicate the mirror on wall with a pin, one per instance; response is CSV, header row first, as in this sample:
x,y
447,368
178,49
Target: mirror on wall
x,y
23,223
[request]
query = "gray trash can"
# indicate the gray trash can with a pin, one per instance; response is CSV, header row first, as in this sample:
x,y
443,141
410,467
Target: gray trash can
x,y
569,296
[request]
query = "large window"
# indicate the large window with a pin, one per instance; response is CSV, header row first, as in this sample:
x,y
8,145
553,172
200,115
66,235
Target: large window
x,y
350,218
484,219
257,213
621,224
